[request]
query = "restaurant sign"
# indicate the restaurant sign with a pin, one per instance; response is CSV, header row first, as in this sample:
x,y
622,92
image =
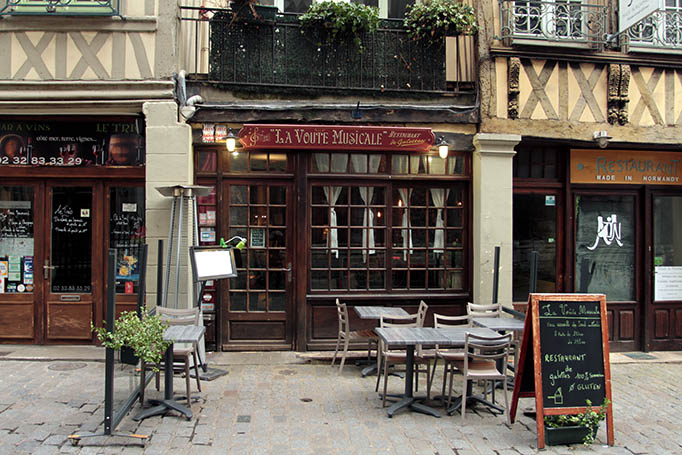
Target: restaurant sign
x,y
626,167
334,137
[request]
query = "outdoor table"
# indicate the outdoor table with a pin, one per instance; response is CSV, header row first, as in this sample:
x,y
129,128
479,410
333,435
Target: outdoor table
x,y
412,336
500,324
174,334
375,312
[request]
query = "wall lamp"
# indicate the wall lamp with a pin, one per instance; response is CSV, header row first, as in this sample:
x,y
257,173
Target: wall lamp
x,y
443,147
602,138
231,140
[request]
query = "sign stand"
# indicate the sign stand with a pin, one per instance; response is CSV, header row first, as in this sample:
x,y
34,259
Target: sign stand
x,y
111,418
564,358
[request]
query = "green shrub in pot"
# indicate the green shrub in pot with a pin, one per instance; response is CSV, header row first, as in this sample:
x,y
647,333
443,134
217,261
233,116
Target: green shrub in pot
x,y
589,420
433,20
331,21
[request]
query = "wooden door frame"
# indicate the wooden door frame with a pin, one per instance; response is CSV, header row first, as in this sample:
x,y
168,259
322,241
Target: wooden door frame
x,y
637,191
291,311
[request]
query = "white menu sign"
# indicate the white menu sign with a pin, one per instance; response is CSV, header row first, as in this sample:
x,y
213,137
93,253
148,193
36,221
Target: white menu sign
x,y
667,283
632,11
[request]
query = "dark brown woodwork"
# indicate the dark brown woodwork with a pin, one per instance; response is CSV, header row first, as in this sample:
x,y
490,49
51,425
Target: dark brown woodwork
x,y
678,323
662,322
627,325
67,321
257,330
17,321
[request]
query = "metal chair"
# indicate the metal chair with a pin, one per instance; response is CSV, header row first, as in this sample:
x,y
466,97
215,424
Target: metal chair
x,y
449,356
479,364
390,357
347,335
173,316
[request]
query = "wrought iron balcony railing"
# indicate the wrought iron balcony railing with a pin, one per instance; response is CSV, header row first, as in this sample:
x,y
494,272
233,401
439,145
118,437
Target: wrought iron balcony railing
x,y
553,21
661,30
60,7
277,54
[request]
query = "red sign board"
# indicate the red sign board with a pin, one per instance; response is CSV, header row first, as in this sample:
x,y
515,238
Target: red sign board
x,y
336,137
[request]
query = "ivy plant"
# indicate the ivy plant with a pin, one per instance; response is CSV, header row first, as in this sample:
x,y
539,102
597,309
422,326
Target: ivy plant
x,y
589,419
332,22
433,20
144,335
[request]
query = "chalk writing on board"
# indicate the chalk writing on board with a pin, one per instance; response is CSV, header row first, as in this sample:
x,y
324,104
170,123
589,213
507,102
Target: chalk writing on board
x,y
64,222
126,225
572,356
16,223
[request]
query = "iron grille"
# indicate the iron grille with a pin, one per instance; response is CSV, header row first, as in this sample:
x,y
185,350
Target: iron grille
x,y
662,30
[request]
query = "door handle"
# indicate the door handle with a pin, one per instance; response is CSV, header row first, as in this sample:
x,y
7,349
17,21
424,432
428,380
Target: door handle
x,y
47,266
289,274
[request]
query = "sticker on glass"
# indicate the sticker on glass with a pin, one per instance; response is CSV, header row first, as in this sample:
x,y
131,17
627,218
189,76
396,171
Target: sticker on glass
x,y
608,231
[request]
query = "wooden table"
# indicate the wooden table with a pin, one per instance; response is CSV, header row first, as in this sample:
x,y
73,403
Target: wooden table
x,y
412,336
375,312
174,334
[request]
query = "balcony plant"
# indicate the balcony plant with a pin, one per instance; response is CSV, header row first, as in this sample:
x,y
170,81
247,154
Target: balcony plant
x,y
331,22
143,335
433,20
570,429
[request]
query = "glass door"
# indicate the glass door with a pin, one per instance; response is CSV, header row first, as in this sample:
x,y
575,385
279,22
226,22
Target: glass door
x,y
664,314
70,273
259,301
606,260
17,262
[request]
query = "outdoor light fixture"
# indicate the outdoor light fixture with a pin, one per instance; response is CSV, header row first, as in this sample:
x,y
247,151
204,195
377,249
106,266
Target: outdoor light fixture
x,y
602,138
443,147
231,140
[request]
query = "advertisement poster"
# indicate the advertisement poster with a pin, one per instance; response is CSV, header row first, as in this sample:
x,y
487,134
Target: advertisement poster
x,y
72,143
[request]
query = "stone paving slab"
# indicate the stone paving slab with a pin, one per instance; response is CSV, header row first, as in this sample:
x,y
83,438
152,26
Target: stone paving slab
x,y
269,406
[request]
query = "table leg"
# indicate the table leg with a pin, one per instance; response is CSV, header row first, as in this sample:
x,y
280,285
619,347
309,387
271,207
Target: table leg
x,y
168,403
471,400
408,399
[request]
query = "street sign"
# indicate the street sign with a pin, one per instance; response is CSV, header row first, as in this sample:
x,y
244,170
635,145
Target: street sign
x,y
632,11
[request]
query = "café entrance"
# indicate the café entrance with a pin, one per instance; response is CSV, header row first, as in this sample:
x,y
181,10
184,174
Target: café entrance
x,y
53,239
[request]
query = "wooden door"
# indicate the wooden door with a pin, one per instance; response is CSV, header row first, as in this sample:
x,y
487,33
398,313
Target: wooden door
x,y
607,259
664,266
259,303
72,264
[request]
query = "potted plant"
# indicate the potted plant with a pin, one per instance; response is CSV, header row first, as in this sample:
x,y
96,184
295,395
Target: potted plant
x,y
433,20
331,22
572,429
143,335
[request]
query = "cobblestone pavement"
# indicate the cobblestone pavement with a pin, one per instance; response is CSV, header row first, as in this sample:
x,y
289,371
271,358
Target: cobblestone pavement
x,y
299,408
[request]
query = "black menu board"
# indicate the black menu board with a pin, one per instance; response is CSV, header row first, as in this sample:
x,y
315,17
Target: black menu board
x,y
571,353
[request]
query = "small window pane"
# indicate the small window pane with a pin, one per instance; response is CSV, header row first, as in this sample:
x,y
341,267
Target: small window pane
x,y
238,216
320,162
259,162
237,301
238,162
238,194
257,301
278,162
277,301
278,195
207,161
400,164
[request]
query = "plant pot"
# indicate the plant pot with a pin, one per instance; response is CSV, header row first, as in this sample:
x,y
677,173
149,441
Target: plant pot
x,y
128,356
567,435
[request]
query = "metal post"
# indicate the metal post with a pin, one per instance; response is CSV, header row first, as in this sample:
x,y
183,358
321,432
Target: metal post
x,y
141,283
170,252
109,362
496,274
159,275
533,285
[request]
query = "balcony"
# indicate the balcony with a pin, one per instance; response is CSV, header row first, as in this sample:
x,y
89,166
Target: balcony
x,y
571,23
662,31
276,56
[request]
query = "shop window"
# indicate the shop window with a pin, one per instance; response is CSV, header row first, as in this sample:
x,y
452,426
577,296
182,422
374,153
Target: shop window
x,y
127,235
365,237
346,163
427,164
539,162
248,161
16,239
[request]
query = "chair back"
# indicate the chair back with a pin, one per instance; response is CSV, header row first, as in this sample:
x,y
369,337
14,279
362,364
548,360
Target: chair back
x,y
176,316
487,348
421,313
342,311
475,310
443,321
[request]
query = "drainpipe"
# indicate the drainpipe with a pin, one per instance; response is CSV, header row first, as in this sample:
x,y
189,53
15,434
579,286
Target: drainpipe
x,y
187,105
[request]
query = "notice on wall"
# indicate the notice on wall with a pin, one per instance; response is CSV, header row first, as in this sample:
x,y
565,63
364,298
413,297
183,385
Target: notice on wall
x,y
667,283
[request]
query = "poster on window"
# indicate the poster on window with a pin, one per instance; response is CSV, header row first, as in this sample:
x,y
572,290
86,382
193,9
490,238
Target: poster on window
x,y
667,283
72,143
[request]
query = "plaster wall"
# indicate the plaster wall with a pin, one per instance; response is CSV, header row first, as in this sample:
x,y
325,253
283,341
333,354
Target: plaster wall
x,y
169,162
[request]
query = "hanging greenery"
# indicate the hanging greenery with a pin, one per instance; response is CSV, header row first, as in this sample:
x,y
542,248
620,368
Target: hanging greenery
x,y
330,21
433,20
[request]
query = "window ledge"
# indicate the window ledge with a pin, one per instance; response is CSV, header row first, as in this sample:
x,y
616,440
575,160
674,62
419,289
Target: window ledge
x,y
68,24
637,48
552,43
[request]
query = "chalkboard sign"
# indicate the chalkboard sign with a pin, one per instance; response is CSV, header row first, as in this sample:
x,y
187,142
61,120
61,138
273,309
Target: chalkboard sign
x,y
564,359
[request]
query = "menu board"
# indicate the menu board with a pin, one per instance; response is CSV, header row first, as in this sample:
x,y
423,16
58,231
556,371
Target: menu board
x,y
71,242
564,358
571,353
72,143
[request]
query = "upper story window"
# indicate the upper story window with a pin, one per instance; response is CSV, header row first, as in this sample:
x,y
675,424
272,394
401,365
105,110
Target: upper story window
x,y
60,7
661,30
567,22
